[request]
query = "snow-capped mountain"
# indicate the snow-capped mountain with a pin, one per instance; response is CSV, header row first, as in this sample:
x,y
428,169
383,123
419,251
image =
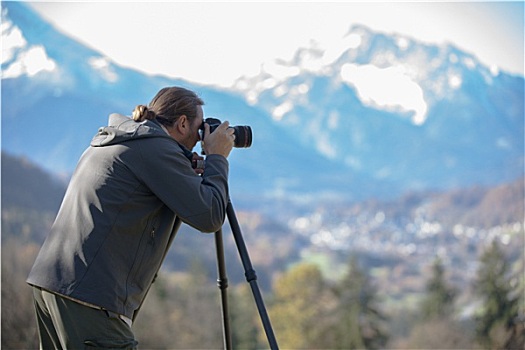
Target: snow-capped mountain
x,y
375,115
396,109
56,93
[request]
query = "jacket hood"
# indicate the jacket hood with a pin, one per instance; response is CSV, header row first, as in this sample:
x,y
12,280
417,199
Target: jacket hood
x,y
122,128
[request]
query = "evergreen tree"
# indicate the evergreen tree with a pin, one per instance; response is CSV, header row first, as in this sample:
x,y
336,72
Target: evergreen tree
x,y
440,297
360,320
438,328
497,324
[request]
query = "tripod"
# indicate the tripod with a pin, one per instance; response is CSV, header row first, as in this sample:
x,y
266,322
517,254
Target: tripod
x,y
251,278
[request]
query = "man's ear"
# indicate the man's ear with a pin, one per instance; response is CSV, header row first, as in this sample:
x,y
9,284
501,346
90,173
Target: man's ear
x,y
183,124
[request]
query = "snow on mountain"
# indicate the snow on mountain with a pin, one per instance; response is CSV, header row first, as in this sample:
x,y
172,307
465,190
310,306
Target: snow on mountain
x,y
17,56
392,108
370,115
394,73
50,115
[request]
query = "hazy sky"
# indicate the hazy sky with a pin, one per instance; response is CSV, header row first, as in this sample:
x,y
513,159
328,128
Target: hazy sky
x,y
215,43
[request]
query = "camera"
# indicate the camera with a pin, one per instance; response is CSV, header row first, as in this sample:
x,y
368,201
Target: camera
x,y
243,133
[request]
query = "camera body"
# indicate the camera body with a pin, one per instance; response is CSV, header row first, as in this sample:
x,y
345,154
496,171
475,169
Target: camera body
x,y
243,133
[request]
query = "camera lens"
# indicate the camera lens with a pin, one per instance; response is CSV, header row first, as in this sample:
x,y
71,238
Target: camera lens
x,y
243,136
243,133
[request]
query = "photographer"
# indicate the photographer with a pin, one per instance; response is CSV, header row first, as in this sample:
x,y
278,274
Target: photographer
x,y
131,189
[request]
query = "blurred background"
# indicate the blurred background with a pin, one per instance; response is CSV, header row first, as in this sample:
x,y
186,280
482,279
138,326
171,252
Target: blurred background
x,y
382,200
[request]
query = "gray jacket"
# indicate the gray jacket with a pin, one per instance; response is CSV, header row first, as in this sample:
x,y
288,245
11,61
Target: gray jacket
x,y
119,214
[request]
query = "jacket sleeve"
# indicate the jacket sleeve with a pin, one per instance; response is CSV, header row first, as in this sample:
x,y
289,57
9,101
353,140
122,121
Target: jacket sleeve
x,y
200,201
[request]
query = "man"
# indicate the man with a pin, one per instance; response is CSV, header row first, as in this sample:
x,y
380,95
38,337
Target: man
x,y
131,189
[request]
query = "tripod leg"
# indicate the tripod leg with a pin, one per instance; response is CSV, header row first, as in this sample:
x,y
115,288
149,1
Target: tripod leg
x,y
222,283
251,276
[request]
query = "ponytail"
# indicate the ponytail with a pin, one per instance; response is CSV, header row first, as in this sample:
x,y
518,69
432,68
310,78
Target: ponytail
x,y
168,105
142,113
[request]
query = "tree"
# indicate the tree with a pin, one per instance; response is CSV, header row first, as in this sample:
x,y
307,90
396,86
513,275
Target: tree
x,y
438,328
244,319
438,333
497,325
182,311
152,327
360,322
299,308
19,329
440,297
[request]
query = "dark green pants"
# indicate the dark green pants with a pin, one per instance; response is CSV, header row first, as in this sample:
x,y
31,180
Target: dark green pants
x,y
65,324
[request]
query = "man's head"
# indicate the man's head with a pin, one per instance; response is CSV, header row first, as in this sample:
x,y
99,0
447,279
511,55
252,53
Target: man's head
x,y
179,110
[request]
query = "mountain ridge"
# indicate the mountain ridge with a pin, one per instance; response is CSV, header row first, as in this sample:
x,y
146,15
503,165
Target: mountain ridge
x,y
30,190
315,132
447,93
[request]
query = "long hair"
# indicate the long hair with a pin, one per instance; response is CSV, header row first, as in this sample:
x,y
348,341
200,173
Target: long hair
x,y
168,105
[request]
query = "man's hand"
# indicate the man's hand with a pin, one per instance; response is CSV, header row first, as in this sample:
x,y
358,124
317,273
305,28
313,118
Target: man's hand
x,y
197,163
220,141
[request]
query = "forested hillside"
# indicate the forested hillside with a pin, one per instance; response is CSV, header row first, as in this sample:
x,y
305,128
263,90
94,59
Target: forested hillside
x,y
378,285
